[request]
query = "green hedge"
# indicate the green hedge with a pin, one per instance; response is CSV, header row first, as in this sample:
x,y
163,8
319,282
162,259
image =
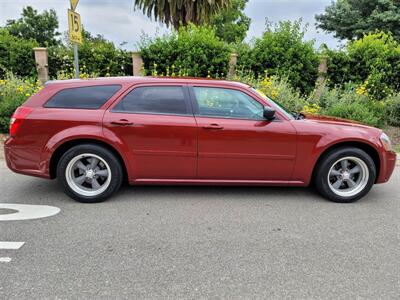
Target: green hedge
x,y
282,51
373,61
193,51
16,55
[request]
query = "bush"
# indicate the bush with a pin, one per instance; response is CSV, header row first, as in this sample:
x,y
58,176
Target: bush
x,y
13,93
373,61
280,91
16,55
339,68
354,111
283,52
192,51
392,110
343,103
348,104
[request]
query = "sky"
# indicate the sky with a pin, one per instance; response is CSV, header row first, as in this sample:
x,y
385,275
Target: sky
x,y
118,22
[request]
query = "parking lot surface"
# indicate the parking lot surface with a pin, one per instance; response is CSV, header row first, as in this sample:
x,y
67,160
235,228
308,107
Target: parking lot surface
x,y
200,242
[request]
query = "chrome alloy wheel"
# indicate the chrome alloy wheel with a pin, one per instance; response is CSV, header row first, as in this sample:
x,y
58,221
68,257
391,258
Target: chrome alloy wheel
x,y
348,176
88,174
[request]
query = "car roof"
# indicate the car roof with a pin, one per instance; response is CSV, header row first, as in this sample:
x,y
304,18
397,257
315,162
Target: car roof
x,y
147,79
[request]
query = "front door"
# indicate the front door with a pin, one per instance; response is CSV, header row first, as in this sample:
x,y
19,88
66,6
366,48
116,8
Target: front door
x,y
235,142
157,126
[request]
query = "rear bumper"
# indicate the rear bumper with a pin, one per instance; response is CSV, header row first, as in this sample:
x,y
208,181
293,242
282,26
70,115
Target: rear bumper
x,y
24,160
388,163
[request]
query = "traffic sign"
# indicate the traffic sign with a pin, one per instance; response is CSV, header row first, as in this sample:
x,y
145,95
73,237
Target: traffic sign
x,y
75,28
74,3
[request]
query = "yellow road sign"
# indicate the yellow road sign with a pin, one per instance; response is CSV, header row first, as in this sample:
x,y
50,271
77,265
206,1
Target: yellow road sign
x,y
74,3
75,28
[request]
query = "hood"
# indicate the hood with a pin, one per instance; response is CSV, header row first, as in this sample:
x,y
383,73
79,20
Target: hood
x,y
331,123
334,120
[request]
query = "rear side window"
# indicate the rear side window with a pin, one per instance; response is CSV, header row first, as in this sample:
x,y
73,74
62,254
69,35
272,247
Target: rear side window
x,y
154,100
89,97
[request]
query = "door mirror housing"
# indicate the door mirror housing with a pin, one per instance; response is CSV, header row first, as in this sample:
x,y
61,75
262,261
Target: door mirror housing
x,y
269,113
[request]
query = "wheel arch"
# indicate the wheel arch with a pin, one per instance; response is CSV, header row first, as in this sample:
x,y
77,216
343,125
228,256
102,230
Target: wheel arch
x,y
65,146
370,150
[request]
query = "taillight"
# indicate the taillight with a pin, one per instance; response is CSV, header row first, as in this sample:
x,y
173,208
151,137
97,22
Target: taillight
x,y
16,120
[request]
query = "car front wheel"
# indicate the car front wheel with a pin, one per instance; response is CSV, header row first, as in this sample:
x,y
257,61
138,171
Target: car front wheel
x,y
345,175
89,173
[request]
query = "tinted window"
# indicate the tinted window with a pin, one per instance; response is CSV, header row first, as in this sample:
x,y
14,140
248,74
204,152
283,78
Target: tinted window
x,y
226,103
89,97
154,99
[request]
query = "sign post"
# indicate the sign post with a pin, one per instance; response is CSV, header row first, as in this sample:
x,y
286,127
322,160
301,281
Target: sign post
x,y
75,32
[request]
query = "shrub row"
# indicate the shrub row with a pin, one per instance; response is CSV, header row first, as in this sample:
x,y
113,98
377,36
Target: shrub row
x,y
97,56
349,103
372,61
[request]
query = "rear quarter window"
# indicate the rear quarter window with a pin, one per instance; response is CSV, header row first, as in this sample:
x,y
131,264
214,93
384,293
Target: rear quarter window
x,y
88,97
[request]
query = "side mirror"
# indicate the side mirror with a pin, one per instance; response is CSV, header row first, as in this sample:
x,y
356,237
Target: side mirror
x,y
269,113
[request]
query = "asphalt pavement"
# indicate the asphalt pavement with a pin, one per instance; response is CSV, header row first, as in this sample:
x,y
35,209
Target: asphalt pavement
x,y
199,243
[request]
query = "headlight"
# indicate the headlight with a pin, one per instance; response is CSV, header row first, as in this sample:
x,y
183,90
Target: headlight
x,y
387,144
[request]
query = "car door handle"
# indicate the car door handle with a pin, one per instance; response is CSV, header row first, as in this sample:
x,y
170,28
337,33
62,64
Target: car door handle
x,y
213,126
122,122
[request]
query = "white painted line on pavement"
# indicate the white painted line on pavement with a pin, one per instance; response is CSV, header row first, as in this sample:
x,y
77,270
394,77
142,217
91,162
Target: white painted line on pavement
x,y
5,259
27,212
11,245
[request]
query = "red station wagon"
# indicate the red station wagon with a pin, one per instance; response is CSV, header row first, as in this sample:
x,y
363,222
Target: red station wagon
x,y
93,134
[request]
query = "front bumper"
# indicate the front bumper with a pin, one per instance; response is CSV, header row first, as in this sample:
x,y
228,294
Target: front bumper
x,y
388,163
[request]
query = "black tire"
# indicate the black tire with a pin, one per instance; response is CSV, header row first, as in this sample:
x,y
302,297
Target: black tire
x,y
103,153
327,162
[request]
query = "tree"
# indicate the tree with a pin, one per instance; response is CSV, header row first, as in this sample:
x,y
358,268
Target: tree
x,y
32,25
350,19
182,12
232,24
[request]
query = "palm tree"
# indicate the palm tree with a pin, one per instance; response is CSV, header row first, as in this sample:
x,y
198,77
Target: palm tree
x,y
182,12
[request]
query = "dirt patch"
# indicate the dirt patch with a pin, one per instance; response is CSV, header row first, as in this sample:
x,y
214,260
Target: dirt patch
x,y
394,134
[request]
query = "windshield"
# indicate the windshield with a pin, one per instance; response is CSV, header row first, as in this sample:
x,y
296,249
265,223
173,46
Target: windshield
x,y
275,104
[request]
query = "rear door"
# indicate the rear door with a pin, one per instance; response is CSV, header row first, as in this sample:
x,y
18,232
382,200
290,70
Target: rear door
x,y
157,125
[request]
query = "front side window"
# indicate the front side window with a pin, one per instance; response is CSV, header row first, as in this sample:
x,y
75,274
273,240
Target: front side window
x,y
226,103
154,100
88,97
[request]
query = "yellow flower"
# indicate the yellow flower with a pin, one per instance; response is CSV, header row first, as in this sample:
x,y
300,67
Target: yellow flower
x,y
27,94
274,93
362,89
312,109
267,87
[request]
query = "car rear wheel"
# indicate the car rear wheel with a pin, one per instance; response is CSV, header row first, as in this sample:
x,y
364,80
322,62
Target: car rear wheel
x,y
345,175
89,173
